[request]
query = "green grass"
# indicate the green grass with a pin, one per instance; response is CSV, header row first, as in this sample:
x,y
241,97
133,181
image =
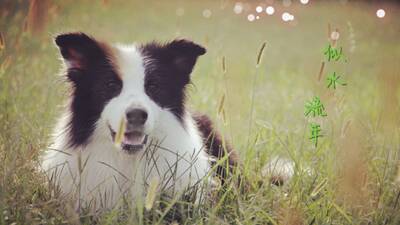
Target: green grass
x,y
350,178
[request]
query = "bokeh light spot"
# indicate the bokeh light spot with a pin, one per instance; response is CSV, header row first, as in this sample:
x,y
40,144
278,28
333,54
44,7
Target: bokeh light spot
x,y
287,17
238,8
380,13
270,10
335,35
207,13
251,17
304,2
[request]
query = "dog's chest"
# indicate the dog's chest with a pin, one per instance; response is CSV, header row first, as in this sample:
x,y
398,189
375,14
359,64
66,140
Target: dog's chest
x,y
103,174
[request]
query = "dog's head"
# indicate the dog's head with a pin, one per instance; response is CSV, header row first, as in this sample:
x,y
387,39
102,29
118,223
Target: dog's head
x,y
132,84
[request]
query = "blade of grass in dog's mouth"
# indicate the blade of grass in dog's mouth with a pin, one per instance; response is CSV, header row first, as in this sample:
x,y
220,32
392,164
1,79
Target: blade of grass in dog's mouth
x,y
120,133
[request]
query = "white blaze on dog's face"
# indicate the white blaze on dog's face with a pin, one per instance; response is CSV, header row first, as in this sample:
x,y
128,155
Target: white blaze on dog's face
x,y
138,111
133,84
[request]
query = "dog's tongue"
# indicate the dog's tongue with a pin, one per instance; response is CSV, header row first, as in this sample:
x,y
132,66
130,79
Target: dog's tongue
x,y
133,138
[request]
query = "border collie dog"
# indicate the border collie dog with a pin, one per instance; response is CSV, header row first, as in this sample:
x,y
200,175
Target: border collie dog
x,y
141,88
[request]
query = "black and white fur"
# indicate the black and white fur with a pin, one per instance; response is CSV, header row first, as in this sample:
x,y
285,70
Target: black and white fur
x,y
145,85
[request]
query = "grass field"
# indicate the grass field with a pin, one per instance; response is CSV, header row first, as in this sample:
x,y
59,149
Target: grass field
x,y
351,177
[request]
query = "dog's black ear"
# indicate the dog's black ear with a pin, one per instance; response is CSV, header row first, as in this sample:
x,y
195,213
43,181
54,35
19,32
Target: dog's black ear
x,y
184,54
78,49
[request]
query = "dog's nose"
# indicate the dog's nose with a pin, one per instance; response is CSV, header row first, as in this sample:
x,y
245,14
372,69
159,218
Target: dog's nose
x,y
136,117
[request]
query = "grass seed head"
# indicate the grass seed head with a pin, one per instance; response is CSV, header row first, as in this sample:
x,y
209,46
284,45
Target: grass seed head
x,y
152,193
260,53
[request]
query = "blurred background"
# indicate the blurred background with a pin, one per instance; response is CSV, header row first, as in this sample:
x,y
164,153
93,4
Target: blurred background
x,y
260,109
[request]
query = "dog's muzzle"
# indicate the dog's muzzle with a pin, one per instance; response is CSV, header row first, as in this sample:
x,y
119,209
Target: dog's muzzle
x,y
132,141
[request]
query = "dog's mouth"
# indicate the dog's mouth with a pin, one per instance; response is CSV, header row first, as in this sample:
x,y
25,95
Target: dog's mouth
x,y
132,141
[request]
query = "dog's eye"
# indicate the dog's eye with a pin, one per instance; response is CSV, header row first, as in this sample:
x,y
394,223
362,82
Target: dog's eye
x,y
113,86
152,87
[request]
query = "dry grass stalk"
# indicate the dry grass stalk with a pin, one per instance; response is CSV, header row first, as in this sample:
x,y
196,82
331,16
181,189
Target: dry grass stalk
x,y
390,84
37,16
2,41
290,216
353,171
321,71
